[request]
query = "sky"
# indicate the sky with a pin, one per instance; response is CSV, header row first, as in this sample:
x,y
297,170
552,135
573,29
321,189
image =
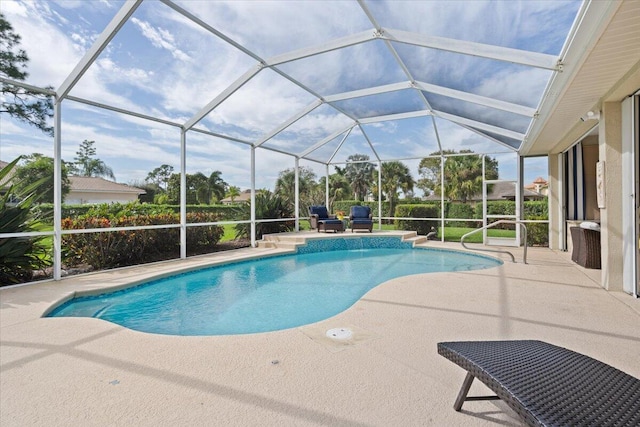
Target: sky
x,y
162,65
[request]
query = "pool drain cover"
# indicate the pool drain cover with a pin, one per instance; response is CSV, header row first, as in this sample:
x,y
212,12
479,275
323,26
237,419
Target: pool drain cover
x,y
340,333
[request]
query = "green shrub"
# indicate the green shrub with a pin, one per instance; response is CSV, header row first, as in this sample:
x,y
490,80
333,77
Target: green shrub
x,y
113,210
128,247
268,206
417,211
537,232
460,210
534,209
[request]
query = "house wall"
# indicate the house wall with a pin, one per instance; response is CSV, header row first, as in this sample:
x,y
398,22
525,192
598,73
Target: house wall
x,y
83,198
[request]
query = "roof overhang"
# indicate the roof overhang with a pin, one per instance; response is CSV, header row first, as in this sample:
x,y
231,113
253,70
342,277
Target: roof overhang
x,y
601,64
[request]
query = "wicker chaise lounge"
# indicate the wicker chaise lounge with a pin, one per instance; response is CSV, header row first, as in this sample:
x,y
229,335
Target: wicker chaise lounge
x,y
547,385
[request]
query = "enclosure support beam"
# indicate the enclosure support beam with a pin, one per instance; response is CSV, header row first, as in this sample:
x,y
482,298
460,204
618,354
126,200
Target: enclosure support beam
x,y
442,223
296,214
100,44
57,190
326,186
253,197
380,195
183,194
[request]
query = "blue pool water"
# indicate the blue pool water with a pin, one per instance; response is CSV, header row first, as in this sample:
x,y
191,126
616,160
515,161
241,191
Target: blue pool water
x,y
323,279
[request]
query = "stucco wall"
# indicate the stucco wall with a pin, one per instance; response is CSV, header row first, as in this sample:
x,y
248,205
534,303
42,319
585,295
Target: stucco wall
x,y
83,198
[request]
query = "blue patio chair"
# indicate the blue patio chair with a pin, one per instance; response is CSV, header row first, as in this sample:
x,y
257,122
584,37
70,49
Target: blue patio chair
x,y
361,218
320,219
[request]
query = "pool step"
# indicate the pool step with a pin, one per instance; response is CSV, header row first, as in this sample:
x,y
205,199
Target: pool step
x,y
277,245
416,240
281,242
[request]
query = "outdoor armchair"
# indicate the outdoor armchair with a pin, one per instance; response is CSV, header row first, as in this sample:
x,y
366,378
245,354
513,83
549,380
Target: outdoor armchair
x,y
320,219
361,218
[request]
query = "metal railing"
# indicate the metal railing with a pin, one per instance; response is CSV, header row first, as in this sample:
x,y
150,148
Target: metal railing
x,y
493,224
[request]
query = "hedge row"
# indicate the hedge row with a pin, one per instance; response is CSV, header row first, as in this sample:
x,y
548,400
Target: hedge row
x,y
417,211
121,248
114,210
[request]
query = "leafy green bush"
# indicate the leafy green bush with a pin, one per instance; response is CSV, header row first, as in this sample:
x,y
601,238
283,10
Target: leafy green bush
x,y
113,210
120,248
417,211
537,232
460,210
536,209
268,206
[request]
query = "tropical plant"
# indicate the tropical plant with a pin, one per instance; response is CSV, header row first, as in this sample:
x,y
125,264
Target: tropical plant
x,y
462,174
307,187
87,165
396,177
359,173
32,107
39,168
217,185
20,256
268,206
339,188
233,192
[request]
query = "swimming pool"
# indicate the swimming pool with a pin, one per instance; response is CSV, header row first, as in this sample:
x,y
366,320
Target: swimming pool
x,y
324,278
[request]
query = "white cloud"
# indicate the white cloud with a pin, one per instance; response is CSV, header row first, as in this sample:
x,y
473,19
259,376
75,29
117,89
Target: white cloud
x,y
160,38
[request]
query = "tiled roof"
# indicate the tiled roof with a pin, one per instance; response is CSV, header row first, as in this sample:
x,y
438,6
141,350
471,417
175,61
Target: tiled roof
x,y
499,191
100,185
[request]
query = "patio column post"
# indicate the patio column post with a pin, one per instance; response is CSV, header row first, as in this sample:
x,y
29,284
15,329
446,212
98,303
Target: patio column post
x,y
380,195
297,197
326,185
183,193
253,196
57,190
519,197
442,160
610,147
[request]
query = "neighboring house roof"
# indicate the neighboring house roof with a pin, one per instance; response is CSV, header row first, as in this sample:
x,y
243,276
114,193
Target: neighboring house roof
x,y
242,197
499,191
90,184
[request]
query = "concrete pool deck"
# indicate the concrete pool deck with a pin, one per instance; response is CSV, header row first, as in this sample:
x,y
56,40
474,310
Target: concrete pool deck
x,y
79,371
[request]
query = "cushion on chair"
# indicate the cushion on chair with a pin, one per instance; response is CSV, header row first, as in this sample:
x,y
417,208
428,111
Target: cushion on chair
x,y
589,225
361,221
362,212
321,211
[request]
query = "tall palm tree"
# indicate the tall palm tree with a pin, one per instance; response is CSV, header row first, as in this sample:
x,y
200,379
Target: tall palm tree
x,y
233,192
396,177
359,173
217,185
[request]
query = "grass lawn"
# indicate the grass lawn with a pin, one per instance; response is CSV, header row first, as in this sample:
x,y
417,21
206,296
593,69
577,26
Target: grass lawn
x,y
453,234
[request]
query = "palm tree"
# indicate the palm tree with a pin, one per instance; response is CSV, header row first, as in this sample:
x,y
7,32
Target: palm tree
x,y
359,173
395,177
233,192
217,185
462,174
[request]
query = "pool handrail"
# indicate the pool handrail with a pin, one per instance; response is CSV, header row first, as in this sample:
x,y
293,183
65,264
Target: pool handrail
x,y
502,221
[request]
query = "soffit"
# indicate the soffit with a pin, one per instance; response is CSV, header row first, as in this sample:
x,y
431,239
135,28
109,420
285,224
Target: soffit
x,y
610,72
